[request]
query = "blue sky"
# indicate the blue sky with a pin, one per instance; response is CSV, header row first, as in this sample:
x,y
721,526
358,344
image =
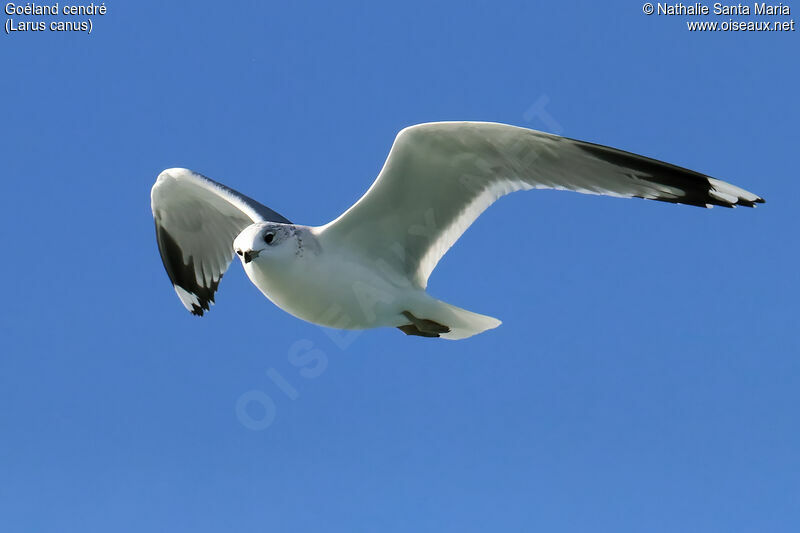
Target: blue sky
x,y
646,374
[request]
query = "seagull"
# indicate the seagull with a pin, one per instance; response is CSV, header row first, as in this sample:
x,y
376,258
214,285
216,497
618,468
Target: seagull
x,y
369,267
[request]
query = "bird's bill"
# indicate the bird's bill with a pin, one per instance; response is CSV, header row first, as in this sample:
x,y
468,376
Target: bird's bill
x,y
249,255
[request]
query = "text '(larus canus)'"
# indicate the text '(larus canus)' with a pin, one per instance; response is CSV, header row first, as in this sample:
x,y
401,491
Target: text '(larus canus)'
x,y
369,268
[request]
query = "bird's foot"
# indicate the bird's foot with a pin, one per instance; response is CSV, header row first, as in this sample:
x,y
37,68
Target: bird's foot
x,y
422,327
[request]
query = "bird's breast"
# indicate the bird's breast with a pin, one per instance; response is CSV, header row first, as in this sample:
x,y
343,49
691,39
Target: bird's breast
x,y
330,291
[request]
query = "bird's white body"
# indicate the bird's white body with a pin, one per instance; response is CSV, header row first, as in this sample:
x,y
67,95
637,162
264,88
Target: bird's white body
x,y
369,267
331,294
317,279
320,285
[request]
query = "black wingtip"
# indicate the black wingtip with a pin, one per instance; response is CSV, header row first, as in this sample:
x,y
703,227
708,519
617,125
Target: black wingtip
x,y
183,274
696,187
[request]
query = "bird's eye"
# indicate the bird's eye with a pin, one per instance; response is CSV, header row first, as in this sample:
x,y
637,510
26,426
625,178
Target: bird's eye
x,y
238,252
268,238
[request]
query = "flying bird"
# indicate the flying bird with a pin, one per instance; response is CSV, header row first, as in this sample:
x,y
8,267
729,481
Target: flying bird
x,y
370,266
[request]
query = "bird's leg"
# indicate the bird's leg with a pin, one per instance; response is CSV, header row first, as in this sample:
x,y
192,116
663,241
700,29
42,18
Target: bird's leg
x,y
422,327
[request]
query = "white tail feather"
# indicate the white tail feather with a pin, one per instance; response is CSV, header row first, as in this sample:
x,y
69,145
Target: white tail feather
x,y
462,323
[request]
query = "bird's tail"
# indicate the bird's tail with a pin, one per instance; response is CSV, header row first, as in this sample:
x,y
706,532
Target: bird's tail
x,y
462,323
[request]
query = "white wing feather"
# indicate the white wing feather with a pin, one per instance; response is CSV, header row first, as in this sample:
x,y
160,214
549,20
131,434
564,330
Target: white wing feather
x,y
439,177
197,220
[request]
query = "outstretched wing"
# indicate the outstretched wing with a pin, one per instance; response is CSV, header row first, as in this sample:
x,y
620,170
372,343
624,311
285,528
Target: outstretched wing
x,y
440,177
197,220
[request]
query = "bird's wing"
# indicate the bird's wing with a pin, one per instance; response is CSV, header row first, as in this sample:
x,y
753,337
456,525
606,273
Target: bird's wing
x,y
440,177
197,220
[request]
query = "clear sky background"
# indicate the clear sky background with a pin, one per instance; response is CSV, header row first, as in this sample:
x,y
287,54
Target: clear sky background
x,y
646,376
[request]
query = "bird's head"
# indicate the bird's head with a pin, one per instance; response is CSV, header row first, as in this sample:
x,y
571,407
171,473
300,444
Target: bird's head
x,y
267,241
